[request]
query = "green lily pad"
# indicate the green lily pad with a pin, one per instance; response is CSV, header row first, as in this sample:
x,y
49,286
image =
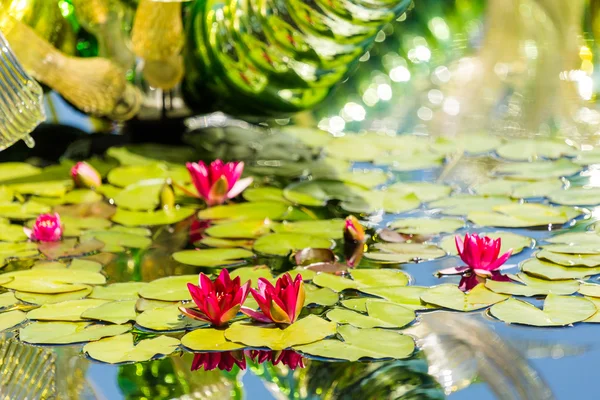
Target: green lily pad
x,y
335,282
327,228
558,311
509,241
212,257
362,343
406,296
399,253
79,196
140,196
49,281
120,349
360,303
529,149
523,215
391,202
108,191
245,229
496,187
68,332
537,189
6,194
7,299
258,210
127,175
368,178
551,271
380,315
68,248
321,296
150,153
282,244
11,319
563,288
23,211
66,311
412,161
118,291
538,170
303,331
12,233
41,298
589,248
10,251
165,319
209,339
152,218
579,238
568,260
115,242
596,317
590,289
425,191
473,143
588,157
116,312
144,304
85,265
451,297
576,197
426,226
43,189
76,226
264,194
172,288
362,279
353,148
318,192
463,204
14,170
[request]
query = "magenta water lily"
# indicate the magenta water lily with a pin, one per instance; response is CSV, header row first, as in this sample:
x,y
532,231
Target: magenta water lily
x,y
354,241
86,176
281,303
482,258
46,228
219,301
219,181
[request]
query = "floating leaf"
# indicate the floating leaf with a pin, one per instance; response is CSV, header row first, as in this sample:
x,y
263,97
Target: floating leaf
x,y
391,202
303,331
23,211
163,319
368,178
538,170
66,311
425,191
353,148
67,248
87,210
75,226
473,143
142,304
264,194
319,192
6,194
50,281
426,226
334,282
579,238
258,210
68,332
127,175
380,315
212,257
44,189
121,348
451,297
406,296
116,312
150,153
327,228
11,319
509,241
7,299
209,339
310,256
12,233
172,288
464,204
360,303
398,253
537,189
589,248
40,298
321,296
362,343
87,265
14,170
576,197
79,196
558,311
551,271
152,218
226,243
588,157
282,244
590,289
246,229
523,215
362,279
115,242
118,291
515,289
411,162
568,260
9,251
140,196
530,149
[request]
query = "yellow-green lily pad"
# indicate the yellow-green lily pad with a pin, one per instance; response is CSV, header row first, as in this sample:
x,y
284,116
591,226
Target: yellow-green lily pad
x,y
406,296
282,244
121,349
568,260
425,191
172,288
23,211
523,215
464,204
70,310
152,218
256,210
532,149
11,319
551,271
557,311
116,312
327,228
118,291
264,194
426,226
321,296
590,289
12,233
319,191
68,332
212,257
127,175
245,229
50,281
562,288
380,315
41,298
43,189
537,170
8,299
140,196
209,339
115,242
79,196
451,297
14,170
167,318
398,253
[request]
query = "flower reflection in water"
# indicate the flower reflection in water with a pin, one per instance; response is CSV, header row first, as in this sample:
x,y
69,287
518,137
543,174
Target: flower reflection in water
x,y
226,360
286,357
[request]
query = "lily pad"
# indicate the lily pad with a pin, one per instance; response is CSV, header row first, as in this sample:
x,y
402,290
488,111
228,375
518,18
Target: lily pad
x,y
590,289
529,149
368,178
6,194
563,288
118,291
166,319
23,211
509,241
79,196
116,312
380,315
245,229
172,288
44,189
252,274
362,279
304,331
7,299
464,204
11,319
523,215
576,197
264,194
451,297
41,298
353,148
66,311
120,349
537,189
49,281
551,271
320,296
319,192
399,253
589,248
68,332
76,226
558,311
67,248
12,233
426,226
538,170
568,260
327,228
140,196
115,242
152,218
425,191
406,296
362,343
579,238
411,162
127,175
209,339
212,257
14,170
9,251
473,143
391,202
258,210
282,244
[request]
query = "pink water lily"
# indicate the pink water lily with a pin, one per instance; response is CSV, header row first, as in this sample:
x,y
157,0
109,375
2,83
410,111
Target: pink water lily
x,y
84,175
217,182
482,258
286,357
354,241
224,360
281,303
46,228
218,302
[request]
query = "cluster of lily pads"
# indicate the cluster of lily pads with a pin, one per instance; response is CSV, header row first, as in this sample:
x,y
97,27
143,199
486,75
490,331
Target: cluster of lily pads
x,y
288,215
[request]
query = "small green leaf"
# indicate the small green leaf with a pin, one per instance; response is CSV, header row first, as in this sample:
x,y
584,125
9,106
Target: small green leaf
x,y
68,332
209,339
282,244
50,281
140,196
40,298
116,312
426,226
115,242
321,296
464,204
121,348
165,319
406,296
212,257
264,194
380,315
70,310
515,289
568,260
399,253
11,319
425,191
558,311
79,196
576,197
538,170
450,296
590,289
171,288
256,210
127,175
529,149
318,192
118,291
551,271
152,218
327,228
245,229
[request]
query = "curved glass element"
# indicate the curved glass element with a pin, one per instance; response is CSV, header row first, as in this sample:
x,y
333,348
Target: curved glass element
x,y
21,108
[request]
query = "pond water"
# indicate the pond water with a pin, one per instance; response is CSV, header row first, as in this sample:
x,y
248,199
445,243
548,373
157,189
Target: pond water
x,y
121,232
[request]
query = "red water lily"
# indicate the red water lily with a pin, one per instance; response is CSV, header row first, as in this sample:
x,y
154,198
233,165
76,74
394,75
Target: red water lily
x,y
219,301
281,303
84,175
354,241
197,229
482,256
224,360
219,181
46,228
286,357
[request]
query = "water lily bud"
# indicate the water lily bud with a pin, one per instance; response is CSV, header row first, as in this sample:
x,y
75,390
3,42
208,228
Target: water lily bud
x,y
86,176
167,196
354,241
